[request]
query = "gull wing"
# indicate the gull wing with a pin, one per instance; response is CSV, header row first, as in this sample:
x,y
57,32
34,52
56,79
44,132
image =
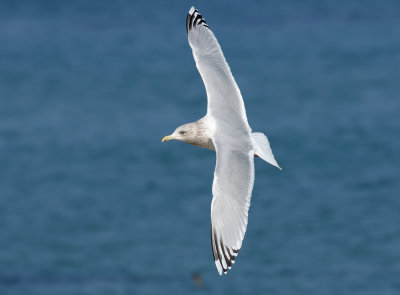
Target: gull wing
x,y
223,94
234,170
232,188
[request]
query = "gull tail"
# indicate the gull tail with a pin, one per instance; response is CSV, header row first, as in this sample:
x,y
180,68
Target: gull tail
x,y
262,148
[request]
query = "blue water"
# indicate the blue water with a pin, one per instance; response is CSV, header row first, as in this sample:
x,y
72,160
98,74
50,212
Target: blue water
x,y
91,201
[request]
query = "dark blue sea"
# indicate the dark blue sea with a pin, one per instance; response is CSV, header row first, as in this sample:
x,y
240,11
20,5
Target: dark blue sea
x,y
91,201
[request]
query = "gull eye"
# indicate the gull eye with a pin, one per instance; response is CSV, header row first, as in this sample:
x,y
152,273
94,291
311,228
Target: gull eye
x,y
182,132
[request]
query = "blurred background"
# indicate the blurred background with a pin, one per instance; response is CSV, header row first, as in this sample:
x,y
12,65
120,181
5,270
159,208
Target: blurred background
x,y
91,201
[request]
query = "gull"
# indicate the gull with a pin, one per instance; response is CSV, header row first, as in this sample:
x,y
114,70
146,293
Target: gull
x,y
225,130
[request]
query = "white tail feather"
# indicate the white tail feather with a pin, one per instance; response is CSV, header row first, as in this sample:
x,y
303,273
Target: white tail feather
x,y
263,149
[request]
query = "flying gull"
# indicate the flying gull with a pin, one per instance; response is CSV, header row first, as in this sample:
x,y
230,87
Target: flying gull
x,y
225,130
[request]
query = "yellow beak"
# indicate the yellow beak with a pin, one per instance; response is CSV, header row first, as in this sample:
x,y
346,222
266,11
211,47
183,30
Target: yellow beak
x,y
166,138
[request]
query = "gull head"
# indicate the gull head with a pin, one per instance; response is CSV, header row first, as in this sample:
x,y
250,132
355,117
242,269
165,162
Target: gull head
x,y
186,133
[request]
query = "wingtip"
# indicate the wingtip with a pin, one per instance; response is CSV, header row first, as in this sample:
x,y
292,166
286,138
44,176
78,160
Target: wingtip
x,y
194,19
219,267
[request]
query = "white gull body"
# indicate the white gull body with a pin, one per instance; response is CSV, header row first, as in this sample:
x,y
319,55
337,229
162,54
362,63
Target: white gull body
x,y
224,129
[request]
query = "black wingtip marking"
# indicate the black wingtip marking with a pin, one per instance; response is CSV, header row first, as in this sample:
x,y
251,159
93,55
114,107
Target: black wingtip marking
x,y
192,21
198,17
232,258
218,253
221,252
214,250
187,23
228,261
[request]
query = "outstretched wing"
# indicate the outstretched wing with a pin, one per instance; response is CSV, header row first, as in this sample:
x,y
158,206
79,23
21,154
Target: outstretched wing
x,y
223,94
234,170
232,188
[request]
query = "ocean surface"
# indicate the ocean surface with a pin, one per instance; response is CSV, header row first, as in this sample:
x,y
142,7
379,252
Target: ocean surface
x,y
91,201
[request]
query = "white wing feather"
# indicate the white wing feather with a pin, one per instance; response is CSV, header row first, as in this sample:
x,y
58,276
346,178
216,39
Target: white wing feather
x,y
234,170
232,188
223,94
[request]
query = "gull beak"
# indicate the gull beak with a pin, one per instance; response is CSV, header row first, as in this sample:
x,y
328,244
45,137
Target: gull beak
x,y
166,138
